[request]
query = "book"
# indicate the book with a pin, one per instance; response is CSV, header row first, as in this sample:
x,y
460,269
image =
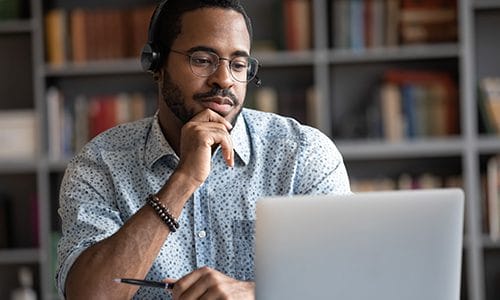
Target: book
x,y
102,114
426,21
56,36
297,24
137,25
489,103
493,179
391,111
312,109
341,24
392,22
357,25
55,117
376,26
266,99
78,35
18,134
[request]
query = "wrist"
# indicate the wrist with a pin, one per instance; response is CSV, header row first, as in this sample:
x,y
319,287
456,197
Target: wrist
x,y
177,191
185,174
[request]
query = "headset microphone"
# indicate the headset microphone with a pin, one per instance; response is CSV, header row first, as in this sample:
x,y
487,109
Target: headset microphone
x,y
257,81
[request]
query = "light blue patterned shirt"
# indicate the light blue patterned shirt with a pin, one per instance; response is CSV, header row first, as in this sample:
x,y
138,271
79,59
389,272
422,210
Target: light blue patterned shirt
x,y
109,180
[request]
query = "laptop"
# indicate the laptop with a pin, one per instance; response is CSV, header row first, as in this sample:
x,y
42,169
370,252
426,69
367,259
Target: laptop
x,y
391,245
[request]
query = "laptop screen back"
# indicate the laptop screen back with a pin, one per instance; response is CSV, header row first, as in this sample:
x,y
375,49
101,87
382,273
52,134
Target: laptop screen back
x,y
379,245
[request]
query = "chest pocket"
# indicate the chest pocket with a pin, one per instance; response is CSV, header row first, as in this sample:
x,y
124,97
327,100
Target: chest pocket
x,y
244,248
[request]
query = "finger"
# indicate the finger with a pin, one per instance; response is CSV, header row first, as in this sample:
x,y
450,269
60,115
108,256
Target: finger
x,y
170,280
190,286
222,137
213,134
227,150
209,115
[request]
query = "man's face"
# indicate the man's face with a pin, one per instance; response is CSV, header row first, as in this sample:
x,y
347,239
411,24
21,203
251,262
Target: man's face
x,y
223,32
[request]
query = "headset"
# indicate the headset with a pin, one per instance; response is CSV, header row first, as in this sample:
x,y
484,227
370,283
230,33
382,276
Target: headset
x,y
151,54
151,57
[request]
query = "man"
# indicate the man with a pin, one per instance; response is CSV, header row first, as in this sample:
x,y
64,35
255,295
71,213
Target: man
x,y
205,160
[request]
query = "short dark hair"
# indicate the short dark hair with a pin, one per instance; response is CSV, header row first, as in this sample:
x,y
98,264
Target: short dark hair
x,y
169,22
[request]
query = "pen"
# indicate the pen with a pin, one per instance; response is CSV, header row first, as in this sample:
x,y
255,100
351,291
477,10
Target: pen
x,y
156,284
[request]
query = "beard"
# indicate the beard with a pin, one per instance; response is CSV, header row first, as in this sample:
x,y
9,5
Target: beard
x,y
175,101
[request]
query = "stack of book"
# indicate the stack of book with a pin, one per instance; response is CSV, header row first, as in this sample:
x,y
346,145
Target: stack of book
x,y
417,104
73,122
428,21
362,24
83,35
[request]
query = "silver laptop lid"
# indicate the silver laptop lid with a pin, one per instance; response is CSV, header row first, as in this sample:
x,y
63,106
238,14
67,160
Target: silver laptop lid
x,y
380,245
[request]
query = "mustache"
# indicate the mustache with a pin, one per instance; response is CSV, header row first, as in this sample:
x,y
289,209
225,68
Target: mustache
x,y
217,92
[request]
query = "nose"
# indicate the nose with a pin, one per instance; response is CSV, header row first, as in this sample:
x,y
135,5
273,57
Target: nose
x,y
222,76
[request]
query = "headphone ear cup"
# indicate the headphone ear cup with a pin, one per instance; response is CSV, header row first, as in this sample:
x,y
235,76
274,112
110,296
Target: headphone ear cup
x,y
150,58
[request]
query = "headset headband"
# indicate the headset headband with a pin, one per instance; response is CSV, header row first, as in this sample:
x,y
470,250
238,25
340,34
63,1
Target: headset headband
x,y
151,57
152,31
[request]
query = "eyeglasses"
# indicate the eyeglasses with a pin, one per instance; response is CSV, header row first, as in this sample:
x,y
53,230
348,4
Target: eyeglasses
x,y
205,63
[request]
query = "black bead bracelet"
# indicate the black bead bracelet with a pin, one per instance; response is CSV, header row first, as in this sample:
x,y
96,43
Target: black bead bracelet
x,y
163,212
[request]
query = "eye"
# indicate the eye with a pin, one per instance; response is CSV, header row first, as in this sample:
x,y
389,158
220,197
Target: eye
x,y
239,64
202,60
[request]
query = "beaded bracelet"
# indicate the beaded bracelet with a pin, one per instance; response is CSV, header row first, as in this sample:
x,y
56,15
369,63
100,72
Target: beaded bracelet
x,y
163,212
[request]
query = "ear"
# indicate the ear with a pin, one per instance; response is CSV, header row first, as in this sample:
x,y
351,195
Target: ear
x,y
158,75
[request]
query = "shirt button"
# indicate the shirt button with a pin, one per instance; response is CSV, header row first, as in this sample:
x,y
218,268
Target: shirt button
x,y
202,234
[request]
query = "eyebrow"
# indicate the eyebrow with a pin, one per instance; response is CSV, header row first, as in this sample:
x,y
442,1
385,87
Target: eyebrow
x,y
209,49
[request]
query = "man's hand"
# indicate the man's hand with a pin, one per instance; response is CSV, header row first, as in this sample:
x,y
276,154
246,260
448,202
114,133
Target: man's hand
x,y
207,283
199,137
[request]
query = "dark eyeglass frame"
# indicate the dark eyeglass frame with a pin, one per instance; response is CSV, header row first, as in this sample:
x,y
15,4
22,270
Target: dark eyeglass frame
x,y
251,73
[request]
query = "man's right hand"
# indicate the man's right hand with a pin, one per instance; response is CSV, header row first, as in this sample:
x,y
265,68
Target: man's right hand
x,y
199,137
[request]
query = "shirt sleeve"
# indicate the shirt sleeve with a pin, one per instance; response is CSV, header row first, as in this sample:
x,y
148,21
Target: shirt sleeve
x,y
321,168
87,208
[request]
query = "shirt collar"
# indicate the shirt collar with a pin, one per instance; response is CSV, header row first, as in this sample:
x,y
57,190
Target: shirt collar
x,y
157,146
241,139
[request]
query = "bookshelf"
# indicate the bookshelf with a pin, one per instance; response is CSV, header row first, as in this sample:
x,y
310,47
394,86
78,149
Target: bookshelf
x,y
345,82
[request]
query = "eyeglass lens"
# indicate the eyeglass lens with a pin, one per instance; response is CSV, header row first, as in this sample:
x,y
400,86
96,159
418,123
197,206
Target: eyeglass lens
x,y
242,68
